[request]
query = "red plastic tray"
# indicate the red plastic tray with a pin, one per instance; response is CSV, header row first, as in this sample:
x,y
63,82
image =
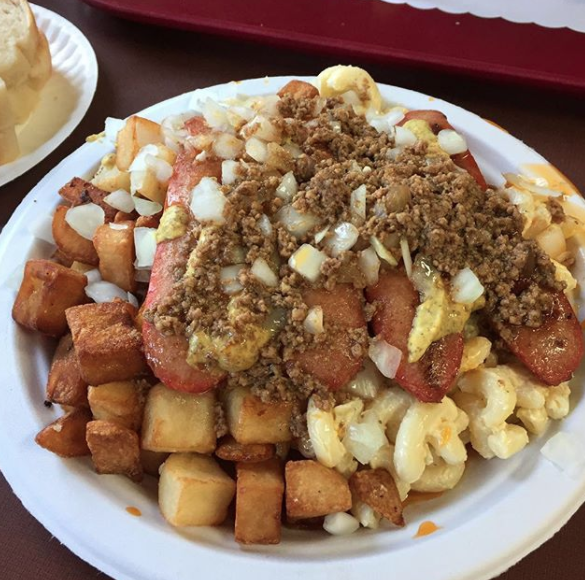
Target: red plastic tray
x,y
371,29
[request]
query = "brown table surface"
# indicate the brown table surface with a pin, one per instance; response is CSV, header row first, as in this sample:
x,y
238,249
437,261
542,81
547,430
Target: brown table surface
x,y
140,65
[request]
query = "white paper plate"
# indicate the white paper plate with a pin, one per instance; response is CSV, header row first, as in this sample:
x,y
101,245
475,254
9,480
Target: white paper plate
x,y
500,512
64,99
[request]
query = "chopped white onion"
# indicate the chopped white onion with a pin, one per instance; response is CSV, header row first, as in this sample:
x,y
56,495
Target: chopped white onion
x,y
261,128
208,201
85,219
466,287
296,223
369,264
382,251
307,261
229,172
227,146
406,257
404,136
146,207
265,225
344,237
132,299
385,356
145,246
294,150
566,452
174,131
288,187
229,278
358,201
114,226
120,200
93,276
366,516
42,228
340,524
139,163
215,115
452,142
111,128
385,123
161,168
367,382
313,322
201,156
257,149
264,272
239,115
526,183
363,440
102,291
321,234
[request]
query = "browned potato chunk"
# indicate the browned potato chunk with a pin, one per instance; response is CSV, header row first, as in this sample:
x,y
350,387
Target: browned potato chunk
x,y
78,191
230,450
122,216
313,490
176,421
114,449
298,90
136,133
376,488
152,461
46,291
109,177
66,435
120,402
65,385
193,490
252,421
81,267
69,242
107,344
260,487
115,250
148,221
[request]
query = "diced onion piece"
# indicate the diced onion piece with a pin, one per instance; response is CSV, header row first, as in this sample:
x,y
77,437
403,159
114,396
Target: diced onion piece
x,y
358,202
525,183
145,246
367,382
257,149
307,261
208,201
227,146
162,169
382,252
85,219
366,516
340,524
215,115
313,322
296,223
288,187
344,237
466,287
229,172
93,276
385,123
201,156
406,257
294,150
323,435
102,291
565,451
42,228
146,207
120,200
321,234
404,136
261,128
369,264
132,299
265,225
363,440
451,142
264,272
114,226
111,128
139,163
239,115
351,98
229,278
385,356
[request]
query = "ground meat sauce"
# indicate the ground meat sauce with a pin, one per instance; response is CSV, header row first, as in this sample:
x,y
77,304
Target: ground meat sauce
x,y
437,207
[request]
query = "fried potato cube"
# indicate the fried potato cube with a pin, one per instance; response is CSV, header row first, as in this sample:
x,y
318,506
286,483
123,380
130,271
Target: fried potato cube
x,y
252,421
81,267
152,461
65,385
114,449
46,292
178,422
259,491
109,178
230,450
298,90
69,242
120,402
135,134
313,490
108,345
148,221
115,250
376,488
66,435
78,191
193,490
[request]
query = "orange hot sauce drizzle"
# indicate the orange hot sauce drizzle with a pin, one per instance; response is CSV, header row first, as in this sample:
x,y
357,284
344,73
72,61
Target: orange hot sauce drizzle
x,y
426,529
134,511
